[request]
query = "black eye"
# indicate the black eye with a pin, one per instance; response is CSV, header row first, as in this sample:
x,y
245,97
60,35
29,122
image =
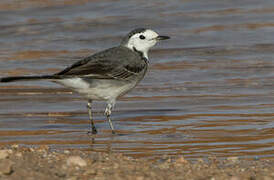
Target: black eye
x,y
142,37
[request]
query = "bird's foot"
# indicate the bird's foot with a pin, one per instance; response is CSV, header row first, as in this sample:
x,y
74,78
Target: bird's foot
x,y
93,131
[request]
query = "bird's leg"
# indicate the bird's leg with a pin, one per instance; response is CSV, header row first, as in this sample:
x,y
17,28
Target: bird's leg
x,y
92,128
108,113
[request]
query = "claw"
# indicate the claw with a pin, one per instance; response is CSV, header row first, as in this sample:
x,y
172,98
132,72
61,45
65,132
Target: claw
x,y
93,131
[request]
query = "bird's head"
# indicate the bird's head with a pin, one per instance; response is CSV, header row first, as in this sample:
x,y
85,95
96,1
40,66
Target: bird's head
x,y
142,40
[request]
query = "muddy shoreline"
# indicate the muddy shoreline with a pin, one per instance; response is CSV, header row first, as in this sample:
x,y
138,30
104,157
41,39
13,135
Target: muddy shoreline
x,y
41,162
209,91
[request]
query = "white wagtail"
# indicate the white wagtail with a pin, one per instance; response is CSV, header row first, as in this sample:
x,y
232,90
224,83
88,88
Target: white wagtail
x,y
108,74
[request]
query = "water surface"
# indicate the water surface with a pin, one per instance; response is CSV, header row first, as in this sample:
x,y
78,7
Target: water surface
x,y
209,90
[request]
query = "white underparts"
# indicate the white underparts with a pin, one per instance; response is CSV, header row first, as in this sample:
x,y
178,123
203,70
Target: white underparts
x,y
98,89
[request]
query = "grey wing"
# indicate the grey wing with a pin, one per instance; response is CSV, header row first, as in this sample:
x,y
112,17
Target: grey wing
x,y
114,63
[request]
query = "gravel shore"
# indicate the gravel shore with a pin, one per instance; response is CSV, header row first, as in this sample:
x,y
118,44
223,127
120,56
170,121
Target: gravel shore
x,y
42,163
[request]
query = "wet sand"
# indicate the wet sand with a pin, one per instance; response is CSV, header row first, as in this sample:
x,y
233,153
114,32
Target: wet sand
x,y
43,163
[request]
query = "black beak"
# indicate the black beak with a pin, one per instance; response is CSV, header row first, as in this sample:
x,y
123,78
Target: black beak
x,y
162,38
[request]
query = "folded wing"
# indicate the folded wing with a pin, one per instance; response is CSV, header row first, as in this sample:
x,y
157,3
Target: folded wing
x,y
115,63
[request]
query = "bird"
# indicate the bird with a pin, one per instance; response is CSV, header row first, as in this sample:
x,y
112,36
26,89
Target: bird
x,y
106,75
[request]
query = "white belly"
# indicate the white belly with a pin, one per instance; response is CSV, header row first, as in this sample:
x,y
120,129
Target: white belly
x,y
98,89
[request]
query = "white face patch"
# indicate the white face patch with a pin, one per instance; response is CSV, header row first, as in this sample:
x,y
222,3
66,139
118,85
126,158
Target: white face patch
x,y
143,41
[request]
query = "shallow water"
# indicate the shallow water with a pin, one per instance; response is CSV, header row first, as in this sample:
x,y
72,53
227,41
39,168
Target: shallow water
x,y
209,90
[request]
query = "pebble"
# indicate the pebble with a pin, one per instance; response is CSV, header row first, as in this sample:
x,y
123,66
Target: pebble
x,y
19,154
60,174
233,159
200,160
76,160
91,172
15,146
181,160
45,155
4,154
6,167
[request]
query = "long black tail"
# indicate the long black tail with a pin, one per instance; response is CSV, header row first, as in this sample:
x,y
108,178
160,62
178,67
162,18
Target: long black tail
x,y
26,78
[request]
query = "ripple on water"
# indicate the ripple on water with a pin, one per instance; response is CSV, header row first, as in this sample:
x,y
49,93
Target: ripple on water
x,y
209,90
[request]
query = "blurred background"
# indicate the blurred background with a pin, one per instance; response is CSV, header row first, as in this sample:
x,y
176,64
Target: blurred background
x,y
209,90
